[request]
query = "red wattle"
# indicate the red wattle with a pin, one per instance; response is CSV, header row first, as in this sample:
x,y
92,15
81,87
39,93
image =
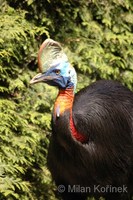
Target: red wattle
x,y
78,136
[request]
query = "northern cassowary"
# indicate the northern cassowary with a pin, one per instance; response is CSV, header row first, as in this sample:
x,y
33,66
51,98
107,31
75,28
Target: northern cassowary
x,y
91,147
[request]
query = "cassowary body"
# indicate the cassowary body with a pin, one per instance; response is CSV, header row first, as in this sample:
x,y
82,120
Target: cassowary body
x,y
91,148
104,113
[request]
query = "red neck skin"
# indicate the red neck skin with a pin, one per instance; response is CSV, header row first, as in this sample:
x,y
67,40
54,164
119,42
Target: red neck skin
x,y
64,102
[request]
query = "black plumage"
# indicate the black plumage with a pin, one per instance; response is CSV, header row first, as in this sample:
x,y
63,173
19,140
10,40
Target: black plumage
x,y
104,112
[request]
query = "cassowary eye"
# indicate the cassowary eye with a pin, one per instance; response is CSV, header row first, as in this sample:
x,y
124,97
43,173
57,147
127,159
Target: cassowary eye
x,y
57,71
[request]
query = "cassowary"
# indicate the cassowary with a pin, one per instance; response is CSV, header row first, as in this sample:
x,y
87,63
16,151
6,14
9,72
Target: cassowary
x,y
91,147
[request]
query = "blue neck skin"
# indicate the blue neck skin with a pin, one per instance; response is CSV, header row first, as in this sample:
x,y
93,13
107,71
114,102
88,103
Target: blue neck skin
x,y
64,83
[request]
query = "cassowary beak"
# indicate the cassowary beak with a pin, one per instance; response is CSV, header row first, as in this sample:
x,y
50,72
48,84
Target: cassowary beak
x,y
40,78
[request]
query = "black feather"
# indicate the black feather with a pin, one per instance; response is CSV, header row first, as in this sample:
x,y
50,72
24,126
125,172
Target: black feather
x,y
104,112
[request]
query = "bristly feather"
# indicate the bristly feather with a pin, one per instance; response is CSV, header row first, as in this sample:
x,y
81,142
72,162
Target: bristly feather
x,y
50,54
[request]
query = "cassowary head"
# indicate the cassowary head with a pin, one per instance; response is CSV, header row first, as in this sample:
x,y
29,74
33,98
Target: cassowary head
x,y
54,66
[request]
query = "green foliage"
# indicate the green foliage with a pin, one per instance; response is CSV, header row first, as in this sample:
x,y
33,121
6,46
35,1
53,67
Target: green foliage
x,y
24,116
102,40
98,39
97,34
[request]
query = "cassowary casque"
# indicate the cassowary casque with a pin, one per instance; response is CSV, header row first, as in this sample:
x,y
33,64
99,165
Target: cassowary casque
x,y
91,147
